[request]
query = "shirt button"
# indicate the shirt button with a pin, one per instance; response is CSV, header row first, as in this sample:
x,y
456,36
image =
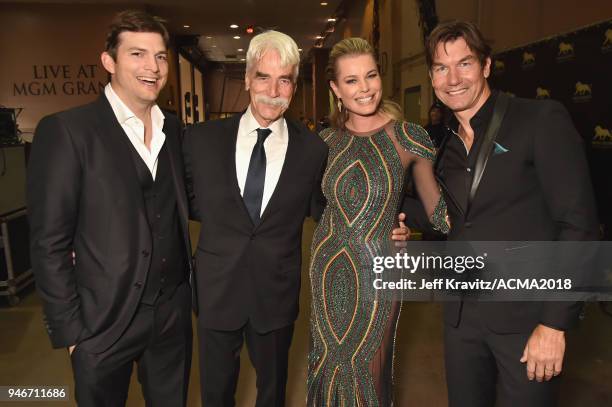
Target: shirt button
x,y
469,169
138,285
163,260
158,216
468,225
145,253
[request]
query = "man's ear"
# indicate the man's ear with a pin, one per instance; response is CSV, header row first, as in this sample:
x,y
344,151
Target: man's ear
x,y
247,81
486,69
108,62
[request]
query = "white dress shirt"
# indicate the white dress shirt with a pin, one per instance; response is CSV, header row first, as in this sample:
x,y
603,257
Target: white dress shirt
x,y
134,129
275,147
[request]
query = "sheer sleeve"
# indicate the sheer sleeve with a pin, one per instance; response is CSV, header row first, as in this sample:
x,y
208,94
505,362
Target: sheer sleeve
x,y
415,141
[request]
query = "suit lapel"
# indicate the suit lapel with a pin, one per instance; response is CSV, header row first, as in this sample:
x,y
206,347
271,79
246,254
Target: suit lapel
x,y
486,148
115,140
174,150
229,138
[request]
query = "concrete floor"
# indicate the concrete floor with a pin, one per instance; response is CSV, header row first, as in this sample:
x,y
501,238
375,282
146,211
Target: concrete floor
x,y
26,357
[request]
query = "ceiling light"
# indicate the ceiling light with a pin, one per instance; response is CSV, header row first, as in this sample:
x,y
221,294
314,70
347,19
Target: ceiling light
x,y
214,46
209,37
242,59
331,20
300,49
324,3
233,26
318,37
236,37
240,49
250,29
186,26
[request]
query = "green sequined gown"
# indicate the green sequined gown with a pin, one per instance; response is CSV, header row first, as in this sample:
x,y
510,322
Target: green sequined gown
x,y
352,330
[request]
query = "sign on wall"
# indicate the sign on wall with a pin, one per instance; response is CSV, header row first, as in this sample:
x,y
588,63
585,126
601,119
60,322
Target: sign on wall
x,y
60,80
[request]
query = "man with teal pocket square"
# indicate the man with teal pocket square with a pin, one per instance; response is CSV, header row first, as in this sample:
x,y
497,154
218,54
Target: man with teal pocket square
x,y
514,170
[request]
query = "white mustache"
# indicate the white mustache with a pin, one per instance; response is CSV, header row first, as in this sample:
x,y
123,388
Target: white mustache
x,y
282,102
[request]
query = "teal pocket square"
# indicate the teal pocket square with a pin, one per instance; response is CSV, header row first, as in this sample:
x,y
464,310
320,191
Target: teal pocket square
x,y
499,149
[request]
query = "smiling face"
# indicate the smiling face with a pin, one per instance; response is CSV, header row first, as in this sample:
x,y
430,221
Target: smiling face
x,y
458,78
271,87
140,69
358,84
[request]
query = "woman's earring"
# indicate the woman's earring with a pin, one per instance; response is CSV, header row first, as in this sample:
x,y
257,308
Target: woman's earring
x,y
340,105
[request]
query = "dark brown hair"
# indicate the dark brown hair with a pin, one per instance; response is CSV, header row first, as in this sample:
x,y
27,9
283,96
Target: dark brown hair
x,y
451,31
134,21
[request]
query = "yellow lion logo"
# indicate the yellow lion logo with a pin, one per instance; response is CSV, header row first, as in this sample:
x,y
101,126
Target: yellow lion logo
x,y
542,93
608,40
602,134
528,58
565,48
582,89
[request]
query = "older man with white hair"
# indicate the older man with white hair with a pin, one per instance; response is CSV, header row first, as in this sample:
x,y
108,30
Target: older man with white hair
x,y
252,180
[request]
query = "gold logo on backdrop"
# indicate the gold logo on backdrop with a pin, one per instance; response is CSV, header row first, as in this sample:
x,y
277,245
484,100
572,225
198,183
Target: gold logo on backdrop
x,y
566,52
499,67
602,137
582,89
583,92
542,93
528,60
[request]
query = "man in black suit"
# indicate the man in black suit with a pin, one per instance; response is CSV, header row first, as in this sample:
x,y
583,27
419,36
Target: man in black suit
x,y
252,179
251,202
109,238
534,186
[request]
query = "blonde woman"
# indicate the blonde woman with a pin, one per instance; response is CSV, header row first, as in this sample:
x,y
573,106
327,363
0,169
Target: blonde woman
x,y
370,151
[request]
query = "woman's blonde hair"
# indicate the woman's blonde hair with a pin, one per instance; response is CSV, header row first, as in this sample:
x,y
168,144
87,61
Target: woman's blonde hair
x,y
346,47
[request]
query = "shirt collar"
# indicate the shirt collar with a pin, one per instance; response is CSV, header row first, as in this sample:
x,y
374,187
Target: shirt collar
x,y
124,114
251,124
481,117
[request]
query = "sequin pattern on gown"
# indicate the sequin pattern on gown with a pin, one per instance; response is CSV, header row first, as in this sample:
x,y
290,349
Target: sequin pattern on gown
x,y
363,186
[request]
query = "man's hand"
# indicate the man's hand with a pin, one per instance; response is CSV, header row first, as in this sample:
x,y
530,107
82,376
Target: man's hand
x,y
71,349
544,353
401,233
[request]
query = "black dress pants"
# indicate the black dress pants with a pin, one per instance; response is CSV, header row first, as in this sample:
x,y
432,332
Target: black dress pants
x,y
220,364
159,340
483,368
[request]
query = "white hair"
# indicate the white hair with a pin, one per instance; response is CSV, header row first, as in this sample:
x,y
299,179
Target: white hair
x,y
274,40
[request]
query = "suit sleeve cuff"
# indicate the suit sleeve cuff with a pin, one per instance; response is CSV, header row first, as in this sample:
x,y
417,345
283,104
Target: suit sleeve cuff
x,y
67,335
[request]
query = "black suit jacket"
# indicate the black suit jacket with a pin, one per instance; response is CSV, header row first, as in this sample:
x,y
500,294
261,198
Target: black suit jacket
x,y
84,195
246,271
539,190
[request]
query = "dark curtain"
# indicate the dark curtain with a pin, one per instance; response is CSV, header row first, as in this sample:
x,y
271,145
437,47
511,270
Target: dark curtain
x,y
575,69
